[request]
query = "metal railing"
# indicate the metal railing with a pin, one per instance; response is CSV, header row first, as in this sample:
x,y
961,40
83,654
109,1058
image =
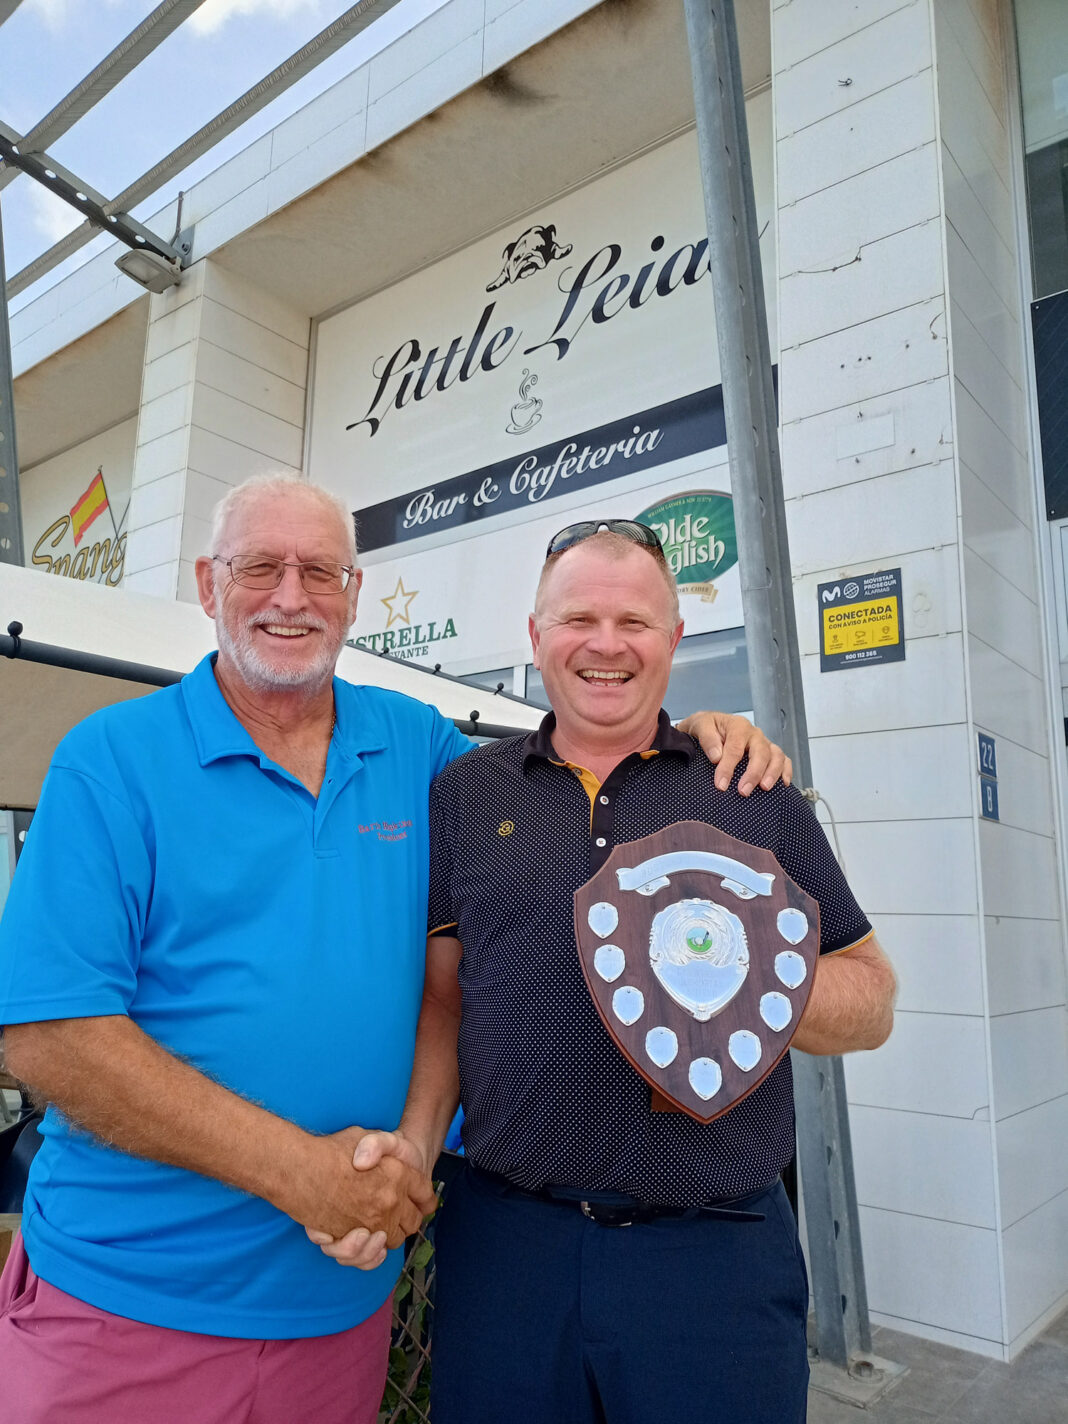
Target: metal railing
x,y
407,1396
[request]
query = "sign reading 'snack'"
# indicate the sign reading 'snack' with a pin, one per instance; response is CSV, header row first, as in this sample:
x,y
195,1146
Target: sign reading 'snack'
x,y
100,559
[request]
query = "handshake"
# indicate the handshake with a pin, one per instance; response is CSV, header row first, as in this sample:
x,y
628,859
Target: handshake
x,y
366,1192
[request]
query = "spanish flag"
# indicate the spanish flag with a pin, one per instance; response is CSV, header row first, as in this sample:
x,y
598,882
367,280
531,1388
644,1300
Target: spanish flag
x,y
84,510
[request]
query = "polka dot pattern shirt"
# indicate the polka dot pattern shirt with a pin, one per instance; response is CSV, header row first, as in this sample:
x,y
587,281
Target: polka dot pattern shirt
x,y
548,1098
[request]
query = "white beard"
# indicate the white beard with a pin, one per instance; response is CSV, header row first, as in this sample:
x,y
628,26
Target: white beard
x,y
260,672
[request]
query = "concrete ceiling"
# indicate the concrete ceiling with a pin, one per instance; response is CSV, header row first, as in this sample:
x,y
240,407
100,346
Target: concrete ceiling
x,y
87,387
610,85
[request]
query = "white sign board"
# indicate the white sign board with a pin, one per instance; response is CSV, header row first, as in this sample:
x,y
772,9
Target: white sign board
x,y
564,367
74,508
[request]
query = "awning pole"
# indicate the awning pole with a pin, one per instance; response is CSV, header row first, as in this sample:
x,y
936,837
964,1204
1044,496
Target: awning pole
x,y
13,645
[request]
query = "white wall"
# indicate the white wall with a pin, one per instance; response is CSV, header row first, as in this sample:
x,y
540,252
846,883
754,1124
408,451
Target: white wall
x,y
1025,964
905,443
476,568
868,461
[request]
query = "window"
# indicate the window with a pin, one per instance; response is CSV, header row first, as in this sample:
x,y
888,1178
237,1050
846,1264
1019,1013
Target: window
x,y
710,670
7,853
1042,42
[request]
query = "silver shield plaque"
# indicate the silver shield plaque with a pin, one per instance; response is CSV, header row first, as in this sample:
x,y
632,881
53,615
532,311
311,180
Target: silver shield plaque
x,y
698,952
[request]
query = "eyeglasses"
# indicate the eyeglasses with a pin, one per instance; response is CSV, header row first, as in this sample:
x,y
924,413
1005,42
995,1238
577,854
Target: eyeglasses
x,y
587,528
260,571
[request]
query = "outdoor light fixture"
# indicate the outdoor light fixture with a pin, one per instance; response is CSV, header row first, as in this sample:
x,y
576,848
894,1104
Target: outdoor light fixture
x,y
155,273
151,261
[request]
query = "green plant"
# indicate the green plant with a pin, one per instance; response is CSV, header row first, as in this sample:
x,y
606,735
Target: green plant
x,y
407,1394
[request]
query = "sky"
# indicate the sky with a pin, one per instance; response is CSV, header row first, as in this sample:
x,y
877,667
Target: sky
x,y
226,46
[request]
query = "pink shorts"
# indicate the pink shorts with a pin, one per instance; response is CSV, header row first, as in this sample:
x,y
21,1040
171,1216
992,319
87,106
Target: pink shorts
x,y
63,1360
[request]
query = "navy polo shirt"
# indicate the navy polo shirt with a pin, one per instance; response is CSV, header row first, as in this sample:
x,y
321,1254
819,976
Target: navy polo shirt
x,y
548,1098
275,940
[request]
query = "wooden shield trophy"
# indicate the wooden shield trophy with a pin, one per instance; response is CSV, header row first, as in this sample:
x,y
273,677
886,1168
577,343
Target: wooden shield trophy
x,y
699,952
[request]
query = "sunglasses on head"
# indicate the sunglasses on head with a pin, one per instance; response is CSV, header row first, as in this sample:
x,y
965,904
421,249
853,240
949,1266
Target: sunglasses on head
x,y
587,528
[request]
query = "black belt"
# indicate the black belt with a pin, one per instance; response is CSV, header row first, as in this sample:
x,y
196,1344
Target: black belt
x,y
616,1210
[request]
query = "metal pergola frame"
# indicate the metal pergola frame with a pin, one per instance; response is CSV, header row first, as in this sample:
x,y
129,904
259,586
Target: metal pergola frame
x,y
14,646
27,153
99,82
75,191
122,60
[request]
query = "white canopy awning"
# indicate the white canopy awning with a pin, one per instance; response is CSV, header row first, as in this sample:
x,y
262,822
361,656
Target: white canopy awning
x,y
40,703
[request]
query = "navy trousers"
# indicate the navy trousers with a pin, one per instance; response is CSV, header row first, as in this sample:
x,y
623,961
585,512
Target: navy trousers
x,y
545,1317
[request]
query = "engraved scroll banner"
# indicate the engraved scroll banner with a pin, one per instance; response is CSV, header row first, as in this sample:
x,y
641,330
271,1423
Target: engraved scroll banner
x,y
699,953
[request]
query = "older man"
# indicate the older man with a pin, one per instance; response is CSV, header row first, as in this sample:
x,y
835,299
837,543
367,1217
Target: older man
x,y
547,1308
212,972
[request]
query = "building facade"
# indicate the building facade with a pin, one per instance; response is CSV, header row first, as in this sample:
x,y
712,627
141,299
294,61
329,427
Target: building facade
x,y
468,289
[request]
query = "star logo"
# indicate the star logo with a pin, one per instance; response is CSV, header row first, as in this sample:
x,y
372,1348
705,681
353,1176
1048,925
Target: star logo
x,y
398,603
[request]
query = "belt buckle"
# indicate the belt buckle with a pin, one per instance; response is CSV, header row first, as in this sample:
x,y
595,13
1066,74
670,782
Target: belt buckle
x,y
590,1212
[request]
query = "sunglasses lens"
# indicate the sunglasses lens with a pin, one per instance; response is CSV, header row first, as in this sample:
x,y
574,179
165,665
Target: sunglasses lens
x,y
573,534
576,533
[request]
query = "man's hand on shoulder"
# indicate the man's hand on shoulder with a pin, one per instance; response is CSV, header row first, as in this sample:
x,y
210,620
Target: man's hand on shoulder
x,y
726,738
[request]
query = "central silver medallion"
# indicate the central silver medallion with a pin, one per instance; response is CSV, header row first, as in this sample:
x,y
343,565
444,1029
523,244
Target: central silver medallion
x,y
698,952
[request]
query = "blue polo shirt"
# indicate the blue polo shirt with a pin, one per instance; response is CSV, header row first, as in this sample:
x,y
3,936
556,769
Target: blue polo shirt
x,y
275,940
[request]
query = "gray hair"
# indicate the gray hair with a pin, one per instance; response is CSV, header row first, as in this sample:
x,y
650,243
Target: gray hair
x,y
250,490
